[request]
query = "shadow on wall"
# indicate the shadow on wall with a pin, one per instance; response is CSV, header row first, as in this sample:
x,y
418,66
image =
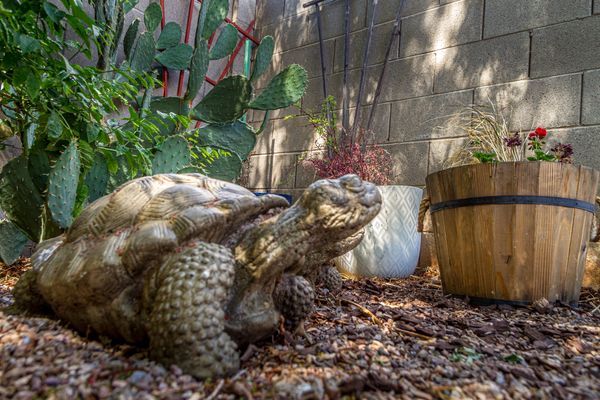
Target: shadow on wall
x,y
441,65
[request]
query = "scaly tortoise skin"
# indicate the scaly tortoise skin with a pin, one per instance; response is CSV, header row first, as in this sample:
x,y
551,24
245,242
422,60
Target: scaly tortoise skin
x,y
192,266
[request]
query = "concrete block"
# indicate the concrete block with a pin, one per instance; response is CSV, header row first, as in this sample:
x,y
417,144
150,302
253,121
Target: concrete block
x,y
294,7
486,62
409,162
313,96
508,16
590,110
309,57
291,32
443,2
305,174
405,78
295,134
380,126
549,102
372,76
441,153
585,144
272,171
379,43
268,11
335,84
300,25
314,92
332,17
596,6
427,117
566,48
245,11
387,9
442,27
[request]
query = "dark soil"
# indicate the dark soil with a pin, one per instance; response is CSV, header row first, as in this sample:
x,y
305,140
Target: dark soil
x,y
374,339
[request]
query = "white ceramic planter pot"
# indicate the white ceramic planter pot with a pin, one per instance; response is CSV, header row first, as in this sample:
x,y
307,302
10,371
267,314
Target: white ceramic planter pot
x,y
391,245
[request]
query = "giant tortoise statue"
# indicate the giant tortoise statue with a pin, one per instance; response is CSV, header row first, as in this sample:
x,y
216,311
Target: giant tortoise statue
x,y
192,266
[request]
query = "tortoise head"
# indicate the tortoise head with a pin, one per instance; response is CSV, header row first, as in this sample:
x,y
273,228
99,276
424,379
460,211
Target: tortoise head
x,y
340,207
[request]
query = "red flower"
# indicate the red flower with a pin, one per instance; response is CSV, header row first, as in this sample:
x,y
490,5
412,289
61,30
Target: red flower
x,y
532,135
541,132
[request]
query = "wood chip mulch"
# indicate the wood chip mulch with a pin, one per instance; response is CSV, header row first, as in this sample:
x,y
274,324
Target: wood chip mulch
x,y
375,339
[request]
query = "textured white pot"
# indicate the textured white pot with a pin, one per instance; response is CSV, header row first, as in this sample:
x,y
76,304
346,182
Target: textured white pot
x,y
390,247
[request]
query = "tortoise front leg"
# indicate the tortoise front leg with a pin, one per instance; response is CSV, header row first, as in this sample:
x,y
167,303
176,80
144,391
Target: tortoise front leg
x,y
187,322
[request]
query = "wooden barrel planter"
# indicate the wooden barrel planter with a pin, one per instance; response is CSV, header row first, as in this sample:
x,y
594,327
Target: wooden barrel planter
x,y
513,232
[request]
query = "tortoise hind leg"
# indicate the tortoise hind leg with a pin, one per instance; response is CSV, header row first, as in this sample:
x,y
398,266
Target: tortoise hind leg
x,y
27,298
187,322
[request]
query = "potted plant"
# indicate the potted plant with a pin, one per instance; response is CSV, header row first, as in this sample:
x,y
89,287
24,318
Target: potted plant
x,y
513,224
391,243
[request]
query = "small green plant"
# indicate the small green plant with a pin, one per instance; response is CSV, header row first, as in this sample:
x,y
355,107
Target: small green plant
x,y
514,359
465,354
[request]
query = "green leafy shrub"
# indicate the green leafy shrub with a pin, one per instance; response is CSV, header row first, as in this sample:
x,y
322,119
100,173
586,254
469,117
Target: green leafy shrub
x,y
70,151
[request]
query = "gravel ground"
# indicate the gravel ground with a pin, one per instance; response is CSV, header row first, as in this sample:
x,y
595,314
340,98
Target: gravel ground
x,y
375,339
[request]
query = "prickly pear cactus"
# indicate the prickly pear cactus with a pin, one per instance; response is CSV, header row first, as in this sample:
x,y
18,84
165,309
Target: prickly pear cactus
x,y
231,98
285,89
12,242
173,156
62,186
97,178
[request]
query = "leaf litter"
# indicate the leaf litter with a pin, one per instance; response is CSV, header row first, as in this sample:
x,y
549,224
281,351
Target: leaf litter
x,y
374,339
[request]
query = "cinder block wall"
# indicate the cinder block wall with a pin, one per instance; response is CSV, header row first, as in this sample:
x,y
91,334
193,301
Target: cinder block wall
x,y
540,58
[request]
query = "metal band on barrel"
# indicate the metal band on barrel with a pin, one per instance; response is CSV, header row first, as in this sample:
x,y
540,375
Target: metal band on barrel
x,y
534,200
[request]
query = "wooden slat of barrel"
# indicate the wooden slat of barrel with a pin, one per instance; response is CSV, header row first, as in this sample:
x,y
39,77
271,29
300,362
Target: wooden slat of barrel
x,y
582,222
504,260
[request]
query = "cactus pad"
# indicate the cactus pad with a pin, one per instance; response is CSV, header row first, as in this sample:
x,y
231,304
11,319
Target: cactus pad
x,y
130,36
226,102
173,155
12,242
237,137
19,198
177,57
169,36
226,168
225,44
62,186
167,105
152,16
264,53
216,13
39,167
198,68
143,53
97,178
286,88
